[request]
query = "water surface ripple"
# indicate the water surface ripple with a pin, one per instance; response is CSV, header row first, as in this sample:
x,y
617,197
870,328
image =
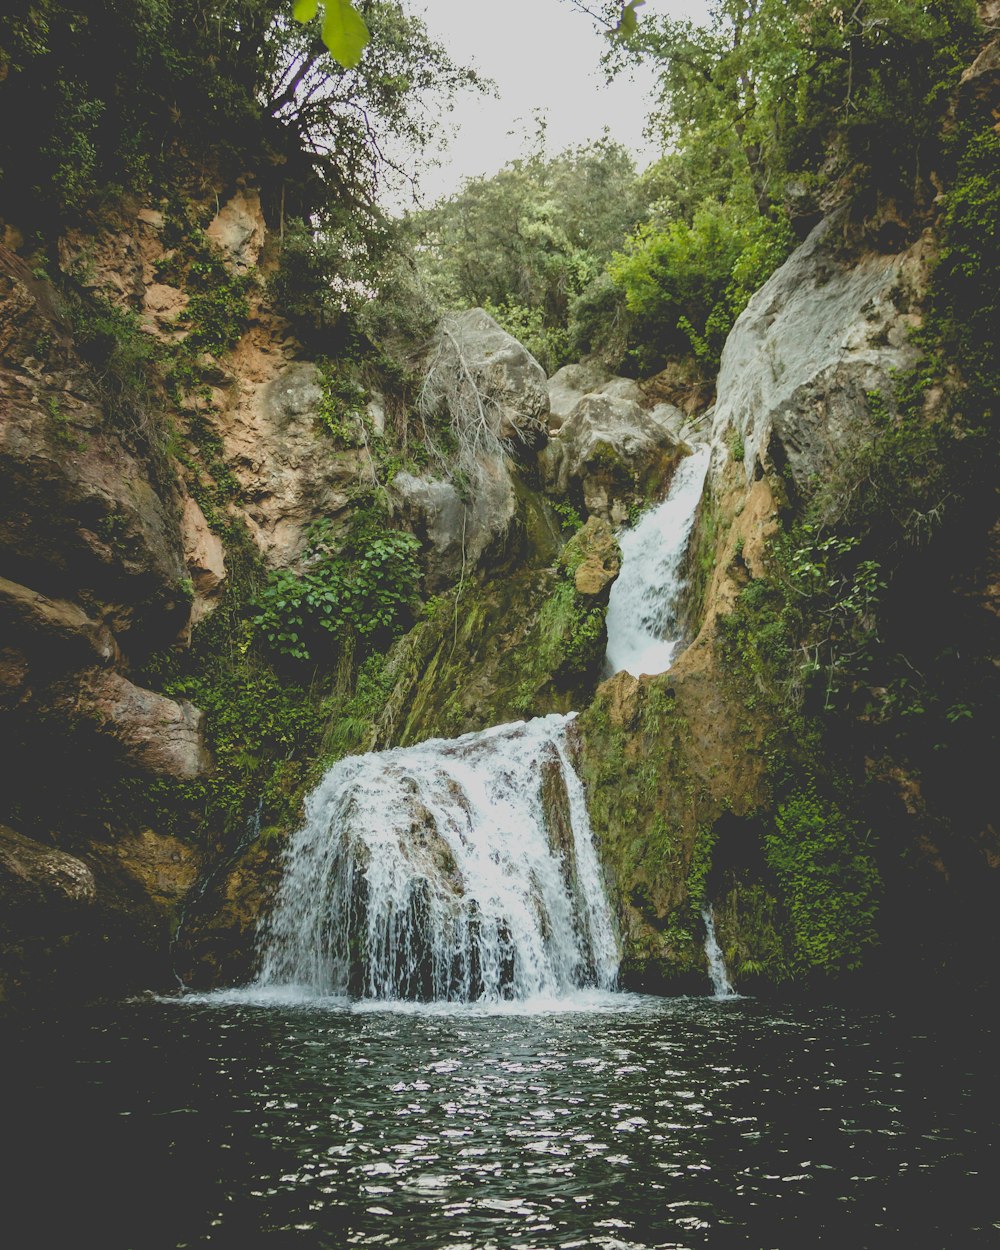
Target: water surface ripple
x,y
626,1123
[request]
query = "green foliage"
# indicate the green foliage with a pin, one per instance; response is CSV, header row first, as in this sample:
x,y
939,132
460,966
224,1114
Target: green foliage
x,y
341,409
569,519
191,83
829,882
550,345
528,242
344,30
362,589
686,284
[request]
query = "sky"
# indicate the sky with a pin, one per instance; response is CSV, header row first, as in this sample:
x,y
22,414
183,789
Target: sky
x,y
542,54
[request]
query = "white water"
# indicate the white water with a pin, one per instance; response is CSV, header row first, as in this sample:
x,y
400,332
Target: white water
x,y
643,630
721,985
440,872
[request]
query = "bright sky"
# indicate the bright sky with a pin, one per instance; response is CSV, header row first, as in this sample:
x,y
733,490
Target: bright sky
x,y
542,54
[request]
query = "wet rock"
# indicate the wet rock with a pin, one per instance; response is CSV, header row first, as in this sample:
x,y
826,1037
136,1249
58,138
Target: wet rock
x,y
595,558
608,455
459,533
480,372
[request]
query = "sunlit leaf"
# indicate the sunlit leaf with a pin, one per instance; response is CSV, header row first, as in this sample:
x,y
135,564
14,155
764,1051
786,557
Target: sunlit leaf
x,y
344,32
305,10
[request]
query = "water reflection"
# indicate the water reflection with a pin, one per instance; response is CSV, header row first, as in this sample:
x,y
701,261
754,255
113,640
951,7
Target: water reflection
x,y
634,1123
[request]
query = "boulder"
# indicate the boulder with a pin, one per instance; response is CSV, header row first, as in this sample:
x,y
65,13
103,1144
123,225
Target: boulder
x,y
459,533
608,455
150,732
480,373
33,875
238,229
595,558
205,559
805,353
568,385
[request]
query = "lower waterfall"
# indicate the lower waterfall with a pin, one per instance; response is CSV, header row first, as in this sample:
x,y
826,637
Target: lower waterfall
x,y
456,870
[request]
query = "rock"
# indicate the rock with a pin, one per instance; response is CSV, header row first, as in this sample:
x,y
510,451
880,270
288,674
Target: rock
x,y
979,88
459,534
568,385
623,388
165,867
109,263
74,925
81,517
479,371
609,454
163,306
149,732
238,229
61,630
804,354
288,468
205,559
33,875
595,557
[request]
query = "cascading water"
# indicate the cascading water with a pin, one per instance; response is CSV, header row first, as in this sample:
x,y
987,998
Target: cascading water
x,y
452,870
721,985
643,631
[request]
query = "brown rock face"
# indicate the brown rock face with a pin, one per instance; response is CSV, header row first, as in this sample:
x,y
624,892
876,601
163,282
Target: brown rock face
x,y
601,561
152,733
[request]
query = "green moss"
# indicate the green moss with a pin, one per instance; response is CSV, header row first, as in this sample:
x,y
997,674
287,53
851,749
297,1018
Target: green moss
x,y
828,880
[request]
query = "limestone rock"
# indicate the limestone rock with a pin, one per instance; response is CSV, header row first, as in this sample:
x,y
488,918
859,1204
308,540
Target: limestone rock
x,y
479,367
152,733
205,559
567,387
34,875
597,557
289,471
803,355
162,305
81,517
61,630
459,534
609,454
238,228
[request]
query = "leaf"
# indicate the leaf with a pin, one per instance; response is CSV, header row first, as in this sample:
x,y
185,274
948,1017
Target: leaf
x,y
305,10
344,32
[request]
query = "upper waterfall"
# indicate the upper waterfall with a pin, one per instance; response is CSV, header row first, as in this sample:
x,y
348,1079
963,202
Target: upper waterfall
x,y
643,631
451,870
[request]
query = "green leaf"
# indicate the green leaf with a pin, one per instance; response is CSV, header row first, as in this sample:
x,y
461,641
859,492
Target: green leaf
x,y
344,32
305,10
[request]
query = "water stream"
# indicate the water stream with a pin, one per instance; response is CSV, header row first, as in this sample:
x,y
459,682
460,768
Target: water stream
x,y
643,628
452,870
721,985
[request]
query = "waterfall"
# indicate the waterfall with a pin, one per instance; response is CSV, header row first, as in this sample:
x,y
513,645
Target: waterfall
x,y
643,630
452,870
721,985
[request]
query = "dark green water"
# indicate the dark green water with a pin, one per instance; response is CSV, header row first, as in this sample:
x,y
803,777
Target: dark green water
x,y
633,1123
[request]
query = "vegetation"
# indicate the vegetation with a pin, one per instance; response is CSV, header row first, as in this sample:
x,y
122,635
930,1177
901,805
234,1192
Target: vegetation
x,y
361,590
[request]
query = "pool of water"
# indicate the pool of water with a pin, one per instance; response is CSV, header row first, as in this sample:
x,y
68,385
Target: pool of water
x,y
612,1122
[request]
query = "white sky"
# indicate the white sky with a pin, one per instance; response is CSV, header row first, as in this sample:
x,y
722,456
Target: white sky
x,y
542,54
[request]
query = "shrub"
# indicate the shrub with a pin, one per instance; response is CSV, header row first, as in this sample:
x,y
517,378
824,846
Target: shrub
x,y
365,589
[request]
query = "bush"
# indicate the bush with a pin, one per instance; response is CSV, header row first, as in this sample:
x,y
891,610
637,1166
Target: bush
x,y
685,284
829,882
365,589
